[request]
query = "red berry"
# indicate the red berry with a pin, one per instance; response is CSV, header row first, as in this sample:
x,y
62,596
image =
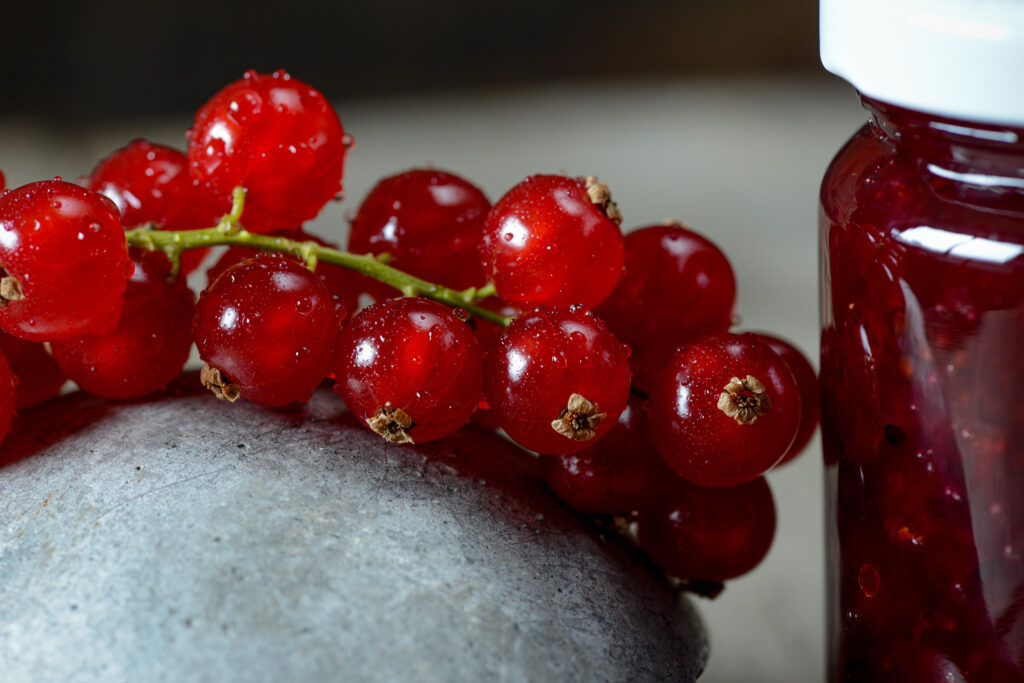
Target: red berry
x,y
63,261
487,334
343,284
725,409
151,183
150,344
709,534
615,475
550,242
38,376
410,369
556,379
277,137
678,286
8,391
3,181
266,328
807,381
431,222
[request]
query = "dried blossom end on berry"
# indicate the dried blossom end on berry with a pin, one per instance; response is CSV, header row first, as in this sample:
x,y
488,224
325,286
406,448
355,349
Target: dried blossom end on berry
x,y
578,419
601,196
744,400
10,290
391,423
212,380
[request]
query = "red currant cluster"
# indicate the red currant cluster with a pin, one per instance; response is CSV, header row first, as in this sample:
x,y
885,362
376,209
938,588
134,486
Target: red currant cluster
x,y
609,355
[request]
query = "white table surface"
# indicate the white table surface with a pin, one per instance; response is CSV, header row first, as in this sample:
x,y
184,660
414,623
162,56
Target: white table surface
x,y
739,161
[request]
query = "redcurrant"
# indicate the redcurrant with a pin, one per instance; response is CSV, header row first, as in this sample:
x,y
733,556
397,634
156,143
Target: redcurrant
x,y
410,369
430,222
554,241
556,379
151,183
150,344
678,286
344,285
63,261
807,381
38,376
277,137
266,329
725,409
708,534
8,393
615,475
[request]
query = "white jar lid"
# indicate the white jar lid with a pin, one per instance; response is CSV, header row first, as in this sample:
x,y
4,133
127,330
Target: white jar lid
x,y
958,58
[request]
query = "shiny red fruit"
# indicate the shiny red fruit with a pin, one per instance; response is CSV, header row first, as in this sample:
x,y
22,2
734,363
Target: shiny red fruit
x,y
410,369
344,285
709,534
725,409
807,381
267,326
150,344
8,391
541,368
38,376
280,139
431,222
678,286
618,474
548,243
151,183
63,261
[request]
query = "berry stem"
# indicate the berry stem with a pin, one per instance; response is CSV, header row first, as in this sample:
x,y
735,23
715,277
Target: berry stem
x,y
230,232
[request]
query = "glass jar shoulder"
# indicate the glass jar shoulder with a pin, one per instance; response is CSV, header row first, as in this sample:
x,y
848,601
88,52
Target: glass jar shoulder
x,y
874,181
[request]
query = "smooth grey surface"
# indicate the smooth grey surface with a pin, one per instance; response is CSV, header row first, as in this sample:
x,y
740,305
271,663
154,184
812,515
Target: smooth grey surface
x,y
188,540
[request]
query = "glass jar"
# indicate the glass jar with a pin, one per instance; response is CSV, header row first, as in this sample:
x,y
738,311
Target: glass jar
x,y
922,376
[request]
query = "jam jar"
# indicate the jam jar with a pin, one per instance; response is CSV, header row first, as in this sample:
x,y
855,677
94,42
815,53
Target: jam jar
x,y
922,350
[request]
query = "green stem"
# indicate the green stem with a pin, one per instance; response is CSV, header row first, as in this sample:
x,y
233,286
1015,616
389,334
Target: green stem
x,y
230,232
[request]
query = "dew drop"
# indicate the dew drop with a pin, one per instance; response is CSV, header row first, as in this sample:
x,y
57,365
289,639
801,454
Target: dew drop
x,y
626,349
576,308
461,314
508,237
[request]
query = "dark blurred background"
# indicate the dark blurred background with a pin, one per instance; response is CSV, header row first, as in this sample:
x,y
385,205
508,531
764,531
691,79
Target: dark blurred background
x,y
114,59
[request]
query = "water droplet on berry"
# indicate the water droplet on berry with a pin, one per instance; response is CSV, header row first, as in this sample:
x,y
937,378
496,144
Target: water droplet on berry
x,y
58,178
627,350
576,308
250,74
57,204
508,237
461,314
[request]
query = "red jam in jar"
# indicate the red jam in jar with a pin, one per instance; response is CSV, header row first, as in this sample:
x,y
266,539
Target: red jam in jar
x,y
922,348
922,375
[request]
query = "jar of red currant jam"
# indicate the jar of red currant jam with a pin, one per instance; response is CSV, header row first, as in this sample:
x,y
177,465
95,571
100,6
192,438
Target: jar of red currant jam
x,y
922,350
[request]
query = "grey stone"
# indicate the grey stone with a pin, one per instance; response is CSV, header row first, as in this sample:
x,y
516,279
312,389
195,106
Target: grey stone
x,y
185,540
